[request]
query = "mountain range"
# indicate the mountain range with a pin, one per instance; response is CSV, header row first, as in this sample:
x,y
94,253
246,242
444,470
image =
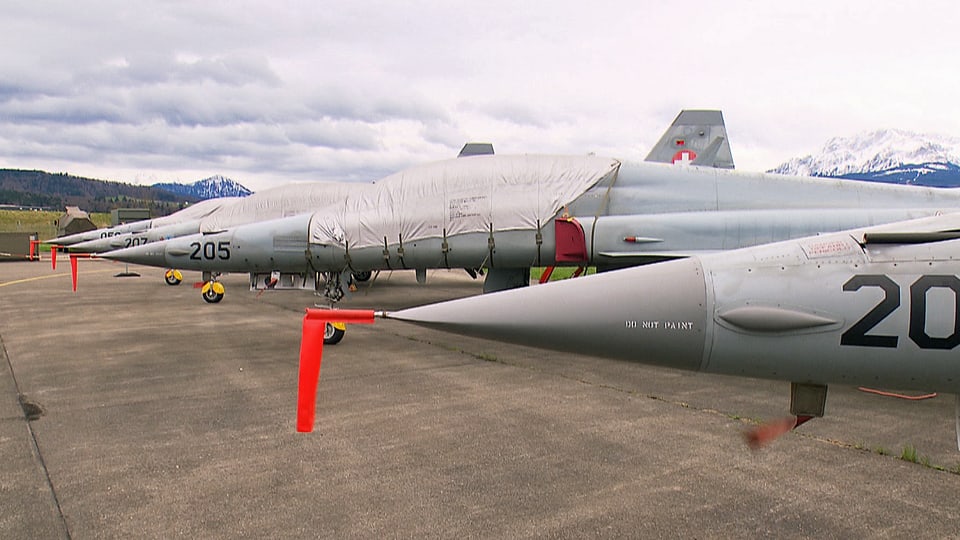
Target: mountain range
x,y
890,155
53,191
209,188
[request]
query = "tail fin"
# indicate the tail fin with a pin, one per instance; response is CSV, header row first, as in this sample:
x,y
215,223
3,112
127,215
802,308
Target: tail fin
x,y
695,137
476,149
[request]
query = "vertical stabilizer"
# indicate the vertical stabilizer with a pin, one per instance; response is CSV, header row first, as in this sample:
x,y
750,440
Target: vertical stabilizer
x,y
696,138
476,149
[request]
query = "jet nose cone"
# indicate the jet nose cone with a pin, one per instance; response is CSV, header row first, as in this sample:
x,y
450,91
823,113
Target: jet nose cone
x,y
97,246
655,314
71,239
153,254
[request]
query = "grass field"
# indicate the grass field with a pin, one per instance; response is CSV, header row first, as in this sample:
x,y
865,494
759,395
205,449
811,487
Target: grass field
x,y
40,222
560,272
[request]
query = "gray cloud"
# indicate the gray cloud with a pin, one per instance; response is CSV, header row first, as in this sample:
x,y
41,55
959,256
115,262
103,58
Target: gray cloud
x,y
151,69
308,90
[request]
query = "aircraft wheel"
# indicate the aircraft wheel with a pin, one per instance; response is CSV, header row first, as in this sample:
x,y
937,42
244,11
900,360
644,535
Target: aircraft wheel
x,y
212,297
362,276
332,335
173,277
212,292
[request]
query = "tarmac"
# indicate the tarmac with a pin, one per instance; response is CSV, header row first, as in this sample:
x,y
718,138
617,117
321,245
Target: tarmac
x,y
134,409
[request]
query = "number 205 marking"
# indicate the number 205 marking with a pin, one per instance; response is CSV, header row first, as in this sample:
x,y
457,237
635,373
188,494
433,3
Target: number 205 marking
x,y
210,250
856,335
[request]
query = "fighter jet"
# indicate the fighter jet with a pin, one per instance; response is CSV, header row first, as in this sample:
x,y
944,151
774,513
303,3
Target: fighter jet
x,y
876,306
191,213
692,131
282,201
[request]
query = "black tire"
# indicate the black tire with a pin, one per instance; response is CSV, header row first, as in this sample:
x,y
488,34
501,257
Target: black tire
x,y
171,279
360,277
211,296
332,335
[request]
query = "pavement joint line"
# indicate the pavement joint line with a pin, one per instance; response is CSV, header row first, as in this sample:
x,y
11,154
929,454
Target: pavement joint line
x,y
49,276
35,447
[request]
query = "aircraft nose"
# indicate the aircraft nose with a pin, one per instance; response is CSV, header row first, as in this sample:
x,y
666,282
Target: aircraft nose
x,y
71,239
97,246
152,254
655,314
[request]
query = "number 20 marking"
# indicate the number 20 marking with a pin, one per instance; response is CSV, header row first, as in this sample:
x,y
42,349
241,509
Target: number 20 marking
x,y
856,335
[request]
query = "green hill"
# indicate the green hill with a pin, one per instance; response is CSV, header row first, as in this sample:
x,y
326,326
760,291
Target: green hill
x,y
53,191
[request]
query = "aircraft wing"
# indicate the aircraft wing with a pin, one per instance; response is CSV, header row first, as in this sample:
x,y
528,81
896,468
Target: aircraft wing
x,y
932,229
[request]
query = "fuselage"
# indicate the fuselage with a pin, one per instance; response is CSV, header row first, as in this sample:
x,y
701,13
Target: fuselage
x,y
829,309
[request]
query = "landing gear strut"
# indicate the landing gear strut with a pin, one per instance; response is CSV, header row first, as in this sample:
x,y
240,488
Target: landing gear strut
x,y
330,286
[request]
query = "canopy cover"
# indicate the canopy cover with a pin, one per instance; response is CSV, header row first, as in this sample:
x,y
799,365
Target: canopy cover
x,y
458,196
197,210
280,202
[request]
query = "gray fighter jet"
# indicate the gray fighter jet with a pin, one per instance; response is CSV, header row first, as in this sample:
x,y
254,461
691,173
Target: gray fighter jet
x,y
282,201
877,306
691,132
191,213
698,137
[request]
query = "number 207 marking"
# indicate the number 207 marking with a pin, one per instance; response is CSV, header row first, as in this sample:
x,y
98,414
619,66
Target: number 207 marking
x,y
857,336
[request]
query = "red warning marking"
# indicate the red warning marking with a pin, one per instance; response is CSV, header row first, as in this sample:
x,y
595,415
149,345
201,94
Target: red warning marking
x,y
73,266
764,434
311,355
545,276
684,156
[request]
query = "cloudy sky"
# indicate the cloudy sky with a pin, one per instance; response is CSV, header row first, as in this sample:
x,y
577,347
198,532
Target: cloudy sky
x,y
271,92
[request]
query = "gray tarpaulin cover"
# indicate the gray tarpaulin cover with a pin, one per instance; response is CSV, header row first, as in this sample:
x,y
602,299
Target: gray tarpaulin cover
x,y
279,202
195,211
458,196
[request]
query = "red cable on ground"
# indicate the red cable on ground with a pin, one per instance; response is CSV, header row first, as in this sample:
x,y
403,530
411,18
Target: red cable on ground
x,y
896,395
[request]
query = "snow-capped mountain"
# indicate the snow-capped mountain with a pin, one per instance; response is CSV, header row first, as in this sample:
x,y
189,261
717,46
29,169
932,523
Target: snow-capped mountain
x,y
892,156
209,188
